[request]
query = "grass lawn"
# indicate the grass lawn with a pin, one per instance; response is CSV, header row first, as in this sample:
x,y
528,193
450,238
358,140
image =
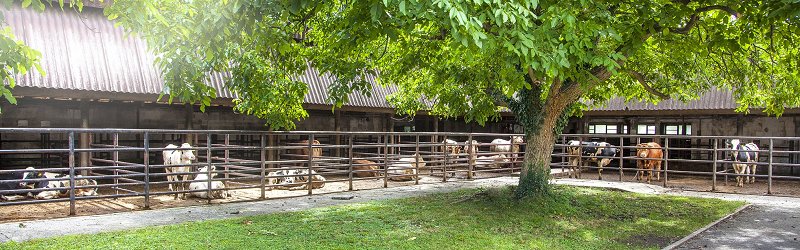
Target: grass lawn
x,y
576,218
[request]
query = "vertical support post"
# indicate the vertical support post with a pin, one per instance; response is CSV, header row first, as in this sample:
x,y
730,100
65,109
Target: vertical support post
x,y
337,124
563,152
227,156
471,156
621,158
444,164
84,140
580,158
208,167
769,170
115,157
666,160
350,162
309,183
385,160
146,170
714,166
71,173
263,181
416,160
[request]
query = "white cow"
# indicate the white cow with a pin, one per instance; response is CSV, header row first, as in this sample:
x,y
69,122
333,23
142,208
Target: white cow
x,y
202,186
494,161
295,179
406,166
182,159
506,146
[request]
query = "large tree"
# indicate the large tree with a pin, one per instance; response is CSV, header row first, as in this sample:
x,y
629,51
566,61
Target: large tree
x,y
543,60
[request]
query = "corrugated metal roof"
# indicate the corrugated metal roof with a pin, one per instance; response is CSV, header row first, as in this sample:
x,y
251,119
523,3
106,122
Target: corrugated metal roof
x,y
84,51
714,99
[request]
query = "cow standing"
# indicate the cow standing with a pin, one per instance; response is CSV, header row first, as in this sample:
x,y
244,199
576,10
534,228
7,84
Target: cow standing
x,y
744,159
181,159
649,155
591,152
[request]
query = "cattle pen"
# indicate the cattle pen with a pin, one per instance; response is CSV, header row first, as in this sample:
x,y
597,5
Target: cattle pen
x,y
126,165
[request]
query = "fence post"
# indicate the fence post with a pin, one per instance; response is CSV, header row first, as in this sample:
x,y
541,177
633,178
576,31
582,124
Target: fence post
x,y
471,156
71,173
563,152
208,168
666,160
309,183
621,158
116,164
263,166
416,160
146,170
769,170
386,160
714,166
580,158
227,156
350,162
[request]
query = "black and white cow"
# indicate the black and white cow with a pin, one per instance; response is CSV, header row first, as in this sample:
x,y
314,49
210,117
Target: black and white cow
x,y
590,152
16,183
744,158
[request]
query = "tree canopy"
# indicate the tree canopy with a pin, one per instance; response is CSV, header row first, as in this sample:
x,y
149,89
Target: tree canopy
x,y
471,58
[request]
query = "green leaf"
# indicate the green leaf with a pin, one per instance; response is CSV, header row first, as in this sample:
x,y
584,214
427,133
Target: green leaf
x,y
26,3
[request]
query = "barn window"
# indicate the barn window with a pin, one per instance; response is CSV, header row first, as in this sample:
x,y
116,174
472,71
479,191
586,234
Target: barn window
x,y
603,129
643,129
678,129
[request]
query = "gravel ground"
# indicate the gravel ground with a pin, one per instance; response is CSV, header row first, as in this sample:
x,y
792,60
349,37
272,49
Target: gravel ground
x,y
757,227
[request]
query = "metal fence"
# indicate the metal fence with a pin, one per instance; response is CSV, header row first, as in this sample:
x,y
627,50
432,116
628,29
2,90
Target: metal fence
x,y
701,156
128,162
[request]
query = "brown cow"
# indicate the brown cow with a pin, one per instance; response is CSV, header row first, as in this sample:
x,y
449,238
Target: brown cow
x,y
650,155
304,150
366,168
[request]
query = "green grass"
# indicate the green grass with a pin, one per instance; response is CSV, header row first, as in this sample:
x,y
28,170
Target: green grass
x,y
576,218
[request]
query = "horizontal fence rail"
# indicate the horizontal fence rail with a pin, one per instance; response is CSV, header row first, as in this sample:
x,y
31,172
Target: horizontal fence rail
x,y
686,155
123,163
86,164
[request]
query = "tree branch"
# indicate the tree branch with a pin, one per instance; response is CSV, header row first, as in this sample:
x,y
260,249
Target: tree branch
x,y
639,77
694,18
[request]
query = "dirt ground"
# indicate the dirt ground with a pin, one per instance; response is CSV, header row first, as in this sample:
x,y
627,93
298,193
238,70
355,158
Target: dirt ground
x,y
703,183
110,205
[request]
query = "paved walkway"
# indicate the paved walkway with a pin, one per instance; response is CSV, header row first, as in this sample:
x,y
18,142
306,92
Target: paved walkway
x,y
768,209
757,227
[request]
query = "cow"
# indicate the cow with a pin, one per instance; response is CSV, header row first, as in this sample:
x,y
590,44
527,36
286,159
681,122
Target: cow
x,y
62,185
181,160
576,149
744,159
295,179
649,155
506,146
494,161
365,168
471,148
406,166
451,149
201,185
15,182
317,152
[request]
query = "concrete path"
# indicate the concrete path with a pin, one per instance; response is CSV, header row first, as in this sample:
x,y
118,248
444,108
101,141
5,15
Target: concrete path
x,y
769,209
757,227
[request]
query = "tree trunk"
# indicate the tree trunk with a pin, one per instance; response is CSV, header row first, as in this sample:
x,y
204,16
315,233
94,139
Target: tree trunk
x,y
540,141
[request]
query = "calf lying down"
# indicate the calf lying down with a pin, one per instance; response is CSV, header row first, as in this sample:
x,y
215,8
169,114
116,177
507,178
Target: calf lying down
x,y
201,187
295,179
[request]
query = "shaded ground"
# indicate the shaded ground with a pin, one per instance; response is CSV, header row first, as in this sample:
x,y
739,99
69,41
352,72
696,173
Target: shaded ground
x,y
757,227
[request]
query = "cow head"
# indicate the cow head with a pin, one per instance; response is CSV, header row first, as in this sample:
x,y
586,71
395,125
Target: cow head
x,y
735,145
204,170
187,154
30,174
517,140
419,160
642,150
